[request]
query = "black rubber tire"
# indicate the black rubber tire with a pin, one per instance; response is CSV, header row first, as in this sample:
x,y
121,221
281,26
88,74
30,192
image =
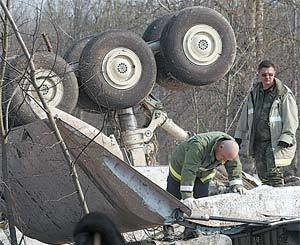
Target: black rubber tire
x,y
93,78
72,56
155,28
164,79
16,85
176,61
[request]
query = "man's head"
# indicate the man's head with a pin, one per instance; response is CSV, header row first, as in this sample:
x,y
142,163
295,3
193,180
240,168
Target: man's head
x,y
266,72
226,150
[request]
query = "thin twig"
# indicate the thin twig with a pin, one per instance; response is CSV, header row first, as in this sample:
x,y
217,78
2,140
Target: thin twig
x,y
47,42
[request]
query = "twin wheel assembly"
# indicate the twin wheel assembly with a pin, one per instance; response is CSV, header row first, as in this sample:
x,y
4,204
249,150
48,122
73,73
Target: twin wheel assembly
x,y
193,47
117,69
197,47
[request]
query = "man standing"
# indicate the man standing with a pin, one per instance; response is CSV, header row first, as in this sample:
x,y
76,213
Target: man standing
x,y
193,164
267,125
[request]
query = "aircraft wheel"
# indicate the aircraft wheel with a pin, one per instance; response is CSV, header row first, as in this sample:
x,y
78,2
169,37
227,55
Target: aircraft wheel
x,y
72,56
118,69
55,79
152,33
198,45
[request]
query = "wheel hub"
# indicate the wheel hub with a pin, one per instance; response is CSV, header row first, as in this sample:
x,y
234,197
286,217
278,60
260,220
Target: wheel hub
x,y
44,89
50,87
202,45
121,68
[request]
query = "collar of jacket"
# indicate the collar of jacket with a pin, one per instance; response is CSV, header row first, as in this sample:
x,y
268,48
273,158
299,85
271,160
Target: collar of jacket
x,y
281,90
212,152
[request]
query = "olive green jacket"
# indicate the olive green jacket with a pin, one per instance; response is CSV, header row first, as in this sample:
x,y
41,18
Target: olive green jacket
x,y
283,121
196,158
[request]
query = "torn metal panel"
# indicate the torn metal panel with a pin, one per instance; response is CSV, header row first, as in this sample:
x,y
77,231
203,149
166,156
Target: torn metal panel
x,y
45,201
102,167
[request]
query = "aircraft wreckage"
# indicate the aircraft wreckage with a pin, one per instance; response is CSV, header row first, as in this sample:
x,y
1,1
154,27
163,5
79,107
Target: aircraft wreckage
x,y
114,71
47,208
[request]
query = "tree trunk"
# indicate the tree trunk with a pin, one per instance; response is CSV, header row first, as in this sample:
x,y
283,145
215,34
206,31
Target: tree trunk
x,y
297,82
251,23
3,137
259,30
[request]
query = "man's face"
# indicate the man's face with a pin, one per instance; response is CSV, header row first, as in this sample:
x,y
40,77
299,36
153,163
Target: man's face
x,y
267,75
222,155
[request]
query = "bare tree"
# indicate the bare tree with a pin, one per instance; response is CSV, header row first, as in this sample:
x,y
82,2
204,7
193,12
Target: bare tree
x,y
3,135
259,29
266,32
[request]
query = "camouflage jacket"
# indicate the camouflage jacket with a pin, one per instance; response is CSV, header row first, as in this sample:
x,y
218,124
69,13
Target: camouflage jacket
x,y
283,122
196,158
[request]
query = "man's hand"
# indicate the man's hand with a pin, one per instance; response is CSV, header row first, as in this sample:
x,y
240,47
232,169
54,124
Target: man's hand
x,y
189,202
238,189
283,144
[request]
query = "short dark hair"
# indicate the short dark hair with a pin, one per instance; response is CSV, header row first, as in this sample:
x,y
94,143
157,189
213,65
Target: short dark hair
x,y
266,64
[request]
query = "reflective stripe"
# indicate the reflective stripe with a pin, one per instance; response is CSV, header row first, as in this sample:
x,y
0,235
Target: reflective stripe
x,y
235,182
174,173
208,177
275,119
188,188
283,162
203,179
250,111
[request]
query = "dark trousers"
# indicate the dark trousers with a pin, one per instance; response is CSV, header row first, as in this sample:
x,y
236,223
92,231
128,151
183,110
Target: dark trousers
x,y
265,164
200,189
173,187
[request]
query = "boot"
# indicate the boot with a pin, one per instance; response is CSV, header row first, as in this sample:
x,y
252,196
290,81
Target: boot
x,y
189,234
168,232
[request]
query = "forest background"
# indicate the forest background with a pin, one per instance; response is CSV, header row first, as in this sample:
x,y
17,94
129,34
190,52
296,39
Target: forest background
x,y
264,29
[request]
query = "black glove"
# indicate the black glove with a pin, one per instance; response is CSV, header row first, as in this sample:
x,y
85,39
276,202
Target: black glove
x,y
238,141
283,144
